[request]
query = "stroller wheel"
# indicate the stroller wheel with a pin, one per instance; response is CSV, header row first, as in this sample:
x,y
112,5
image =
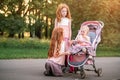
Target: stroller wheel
x,y
99,72
75,70
83,75
63,69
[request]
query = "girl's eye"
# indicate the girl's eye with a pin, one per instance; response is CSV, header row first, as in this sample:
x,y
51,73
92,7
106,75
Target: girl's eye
x,y
64,11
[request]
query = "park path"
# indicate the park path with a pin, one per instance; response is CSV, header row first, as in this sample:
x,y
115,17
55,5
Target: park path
x,y
32,69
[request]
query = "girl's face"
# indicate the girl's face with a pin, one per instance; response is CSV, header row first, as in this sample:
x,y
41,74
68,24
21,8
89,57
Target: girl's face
x,y
64,12
83,32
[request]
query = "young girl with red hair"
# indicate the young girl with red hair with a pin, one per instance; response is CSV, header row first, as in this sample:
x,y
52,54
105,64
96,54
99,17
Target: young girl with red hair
x,y
56,54
63,20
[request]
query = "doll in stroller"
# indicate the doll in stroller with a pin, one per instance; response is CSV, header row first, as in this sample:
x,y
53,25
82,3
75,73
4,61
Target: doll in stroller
x,y
83,48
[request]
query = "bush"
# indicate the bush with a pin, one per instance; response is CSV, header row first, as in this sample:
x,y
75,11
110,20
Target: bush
x,y
24,43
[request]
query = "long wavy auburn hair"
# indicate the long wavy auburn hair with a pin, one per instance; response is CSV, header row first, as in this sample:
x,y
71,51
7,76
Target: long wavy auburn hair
x,y
58,11
55,44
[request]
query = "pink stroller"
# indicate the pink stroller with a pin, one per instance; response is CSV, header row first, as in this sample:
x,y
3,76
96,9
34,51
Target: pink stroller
x,y
78,61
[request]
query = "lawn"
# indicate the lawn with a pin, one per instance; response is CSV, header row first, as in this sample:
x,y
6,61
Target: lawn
x,y
35,48
25,53
12,53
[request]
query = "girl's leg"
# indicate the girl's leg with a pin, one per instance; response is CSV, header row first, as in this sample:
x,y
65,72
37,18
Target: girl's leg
x,y
53,69
57,70
48,71
66,48
66,62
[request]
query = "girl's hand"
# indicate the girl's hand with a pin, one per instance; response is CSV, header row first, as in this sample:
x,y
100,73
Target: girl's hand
x,y
79,42
70,42
67,52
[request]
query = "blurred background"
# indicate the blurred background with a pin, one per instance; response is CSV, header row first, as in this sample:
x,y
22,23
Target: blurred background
x,y
35,18
21,19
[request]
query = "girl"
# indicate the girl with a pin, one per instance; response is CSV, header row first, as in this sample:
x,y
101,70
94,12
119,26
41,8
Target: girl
x,y
56,54
83,39
63,20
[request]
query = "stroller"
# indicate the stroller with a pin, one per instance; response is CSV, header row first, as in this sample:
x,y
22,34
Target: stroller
x,y
78,61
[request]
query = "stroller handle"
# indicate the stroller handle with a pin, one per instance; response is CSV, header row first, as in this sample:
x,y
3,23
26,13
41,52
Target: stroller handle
x,y
102,24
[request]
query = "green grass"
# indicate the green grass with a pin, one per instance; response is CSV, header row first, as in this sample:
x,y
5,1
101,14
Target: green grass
x,y
25,53
12,53
35,48
11,48
108,51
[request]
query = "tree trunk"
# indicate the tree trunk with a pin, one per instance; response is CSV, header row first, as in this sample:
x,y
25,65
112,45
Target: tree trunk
x,y
1,33
11,35
19,35
38,31
22,34
46,28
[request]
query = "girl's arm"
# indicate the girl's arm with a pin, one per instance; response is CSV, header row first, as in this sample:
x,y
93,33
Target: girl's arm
x,y
55,25
64,53
70,30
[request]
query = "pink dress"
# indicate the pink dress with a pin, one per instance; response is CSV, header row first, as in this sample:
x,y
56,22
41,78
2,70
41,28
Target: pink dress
x,y
61,59
53,64
65,24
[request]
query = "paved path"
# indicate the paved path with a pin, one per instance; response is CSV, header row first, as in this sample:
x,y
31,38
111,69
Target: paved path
x,y
32,69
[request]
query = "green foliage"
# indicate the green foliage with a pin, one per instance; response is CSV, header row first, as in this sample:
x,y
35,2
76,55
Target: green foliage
x,y
14,12
14,24
2,22
24,43
103,10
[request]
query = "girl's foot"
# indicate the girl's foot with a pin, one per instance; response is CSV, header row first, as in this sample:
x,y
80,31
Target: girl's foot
x,y
46,73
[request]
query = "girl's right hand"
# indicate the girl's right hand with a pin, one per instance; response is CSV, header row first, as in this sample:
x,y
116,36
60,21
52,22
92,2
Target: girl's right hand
x,y
67,53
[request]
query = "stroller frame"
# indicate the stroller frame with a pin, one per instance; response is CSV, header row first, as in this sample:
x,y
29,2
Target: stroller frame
x,y
99,25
